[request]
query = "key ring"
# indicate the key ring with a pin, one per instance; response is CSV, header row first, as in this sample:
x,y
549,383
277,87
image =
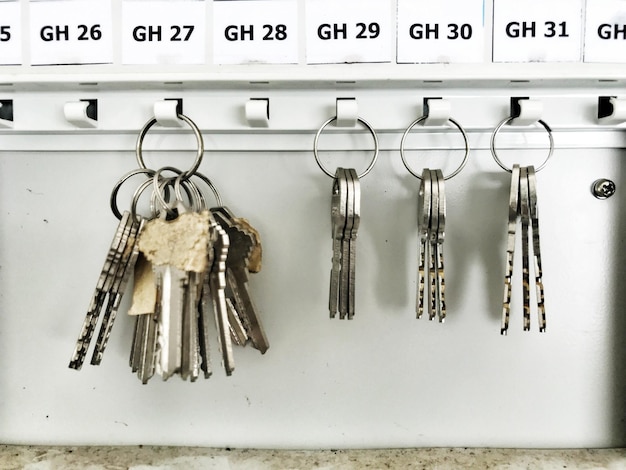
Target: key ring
x,y
138,192
369,128
211,186
194,128
493,144
161,184
465,140
118,185
195,197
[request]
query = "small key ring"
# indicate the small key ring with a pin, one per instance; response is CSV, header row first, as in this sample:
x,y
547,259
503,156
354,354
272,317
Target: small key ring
x,y
465,140
138,192
212,187
194,128
367,126
160,183
118,185
196,199
495,154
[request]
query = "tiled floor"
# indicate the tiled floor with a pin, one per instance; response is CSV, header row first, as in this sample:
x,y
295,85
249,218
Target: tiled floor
x,y
171,458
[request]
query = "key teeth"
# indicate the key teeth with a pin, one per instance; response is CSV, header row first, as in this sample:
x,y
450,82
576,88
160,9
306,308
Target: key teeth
x,y
504,332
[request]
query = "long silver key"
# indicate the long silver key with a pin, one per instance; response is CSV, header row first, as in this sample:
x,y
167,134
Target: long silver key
x,y
344,276
534,217
118,288
221,247
205,304
237,276
510,247
238,332
423,222
147,351
338,211
190,361
433,309
356,220
441,229
171,283
525,215
100,293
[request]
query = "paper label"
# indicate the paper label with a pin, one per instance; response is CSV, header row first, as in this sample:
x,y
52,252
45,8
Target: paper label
x,y
10,33
71,32
260,31
605,37
448,31
163,32
349,31
537,31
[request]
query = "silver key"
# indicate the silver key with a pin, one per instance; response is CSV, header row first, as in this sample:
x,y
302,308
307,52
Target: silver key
x,y
338,211
423,222
237,330
217,282
433,309
525,216
441,227
237,276
116,293
344,275
534,217
190,361
145,354
510,249
100,293
171,283
356,220
204,307
142,356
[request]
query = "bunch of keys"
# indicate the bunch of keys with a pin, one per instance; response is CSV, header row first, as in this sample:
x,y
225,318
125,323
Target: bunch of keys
x,y
191,265
345,215
431,219
523,205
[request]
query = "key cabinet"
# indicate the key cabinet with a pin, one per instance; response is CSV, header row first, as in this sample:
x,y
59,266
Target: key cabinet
x,y
383,379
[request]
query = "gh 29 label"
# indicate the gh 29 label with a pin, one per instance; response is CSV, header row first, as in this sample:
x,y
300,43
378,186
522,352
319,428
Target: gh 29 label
x,y
336,31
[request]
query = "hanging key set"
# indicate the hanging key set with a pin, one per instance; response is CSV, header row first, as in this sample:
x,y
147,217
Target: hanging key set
x,y
191,263
191,267
431,222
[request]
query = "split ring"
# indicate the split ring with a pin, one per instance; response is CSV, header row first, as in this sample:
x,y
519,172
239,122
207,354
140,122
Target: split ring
x,y
495,154
194,128
465,140
367,126
118,185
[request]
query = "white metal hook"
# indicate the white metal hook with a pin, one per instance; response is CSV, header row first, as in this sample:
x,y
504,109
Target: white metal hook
x,y
525,111
4,122
258,112
347,112
437,111
612,110
166,113
75,113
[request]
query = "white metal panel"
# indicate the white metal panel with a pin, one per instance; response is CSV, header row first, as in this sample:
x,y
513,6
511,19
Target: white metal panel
x,y
384,379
